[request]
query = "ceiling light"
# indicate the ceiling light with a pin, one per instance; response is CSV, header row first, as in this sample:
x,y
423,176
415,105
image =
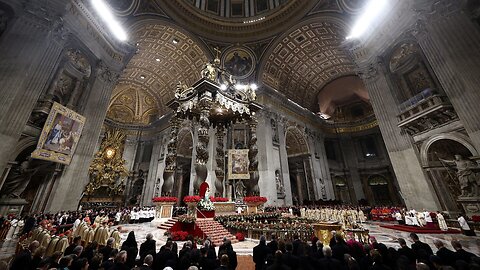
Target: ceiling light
x,y
158,59
175,41
142,77
324,116
371,11
223,87
239,86
219,110
104,11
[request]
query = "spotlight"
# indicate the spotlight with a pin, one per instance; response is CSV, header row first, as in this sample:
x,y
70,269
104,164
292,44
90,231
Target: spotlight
x,y
223,87
370,13
107,16
253,86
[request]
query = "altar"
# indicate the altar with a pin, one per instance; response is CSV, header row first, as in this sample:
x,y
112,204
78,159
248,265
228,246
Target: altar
x,y
323,231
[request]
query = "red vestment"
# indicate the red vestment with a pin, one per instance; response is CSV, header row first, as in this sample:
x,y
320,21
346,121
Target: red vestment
x,y
203,189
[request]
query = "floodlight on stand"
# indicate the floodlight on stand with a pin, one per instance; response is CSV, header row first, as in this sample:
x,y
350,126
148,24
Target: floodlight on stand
x,y
107,16
371,11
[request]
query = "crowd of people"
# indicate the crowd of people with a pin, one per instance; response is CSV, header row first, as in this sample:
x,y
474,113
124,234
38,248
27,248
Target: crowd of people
x,y
65,220
349,254
129,256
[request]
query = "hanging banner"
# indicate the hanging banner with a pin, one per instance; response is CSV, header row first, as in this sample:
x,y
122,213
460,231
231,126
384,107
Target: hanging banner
x,y
60,135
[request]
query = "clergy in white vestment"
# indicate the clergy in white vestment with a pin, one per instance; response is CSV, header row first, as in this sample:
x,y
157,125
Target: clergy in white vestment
x,y
441,222
465,227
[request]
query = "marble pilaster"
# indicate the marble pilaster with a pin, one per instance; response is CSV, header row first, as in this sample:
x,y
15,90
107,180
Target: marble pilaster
x,y
30,52
68,190
149,187
450,41
411,179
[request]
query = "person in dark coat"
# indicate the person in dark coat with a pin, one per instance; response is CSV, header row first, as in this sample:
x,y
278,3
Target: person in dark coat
x,y
232,255
460,253
120,261
328,262
24,258
131,247
273,245
260,253
165,257
340,248
447,256
147,263
278,264
205,262
224,262
148,247
77,241
404,250
288,258
422,250
382,248
106,250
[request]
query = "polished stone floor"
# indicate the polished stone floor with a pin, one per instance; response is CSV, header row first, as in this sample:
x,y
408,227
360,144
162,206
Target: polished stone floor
x,y
386,236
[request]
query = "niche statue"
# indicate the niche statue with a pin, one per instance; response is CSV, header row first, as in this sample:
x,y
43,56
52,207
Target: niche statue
x,y
468,179
19,177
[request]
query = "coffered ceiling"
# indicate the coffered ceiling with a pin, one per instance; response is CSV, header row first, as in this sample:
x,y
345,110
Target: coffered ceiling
x,y
166,55
305,59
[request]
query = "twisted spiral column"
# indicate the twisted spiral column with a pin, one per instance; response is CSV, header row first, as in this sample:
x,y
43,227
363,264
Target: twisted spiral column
x,y
220,158
253,189
171,158
202,144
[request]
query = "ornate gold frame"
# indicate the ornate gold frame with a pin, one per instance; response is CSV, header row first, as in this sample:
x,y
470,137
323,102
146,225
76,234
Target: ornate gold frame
x,y
59,112
238,154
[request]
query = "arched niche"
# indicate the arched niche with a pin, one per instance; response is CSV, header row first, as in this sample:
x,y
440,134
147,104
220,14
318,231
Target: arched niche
x,y
443,176
299,165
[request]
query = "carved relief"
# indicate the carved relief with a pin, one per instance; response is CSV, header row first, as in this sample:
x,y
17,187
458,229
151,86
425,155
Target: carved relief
x,y
79,61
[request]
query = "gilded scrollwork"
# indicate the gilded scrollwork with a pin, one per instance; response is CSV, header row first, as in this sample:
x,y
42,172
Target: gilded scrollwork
x,y
108,167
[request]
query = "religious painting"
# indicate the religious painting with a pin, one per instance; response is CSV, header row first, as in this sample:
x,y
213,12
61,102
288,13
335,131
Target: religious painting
x,y
239,62
238,164
239,138
60,135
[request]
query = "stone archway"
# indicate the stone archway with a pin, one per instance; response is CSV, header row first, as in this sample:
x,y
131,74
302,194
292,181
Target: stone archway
x,y
441,175
184,163
299,166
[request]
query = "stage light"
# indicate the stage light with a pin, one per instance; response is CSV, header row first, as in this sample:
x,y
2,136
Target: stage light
x,y
370,13
107,16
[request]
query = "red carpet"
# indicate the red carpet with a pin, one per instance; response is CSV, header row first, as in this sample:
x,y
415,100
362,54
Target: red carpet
x,y
415,229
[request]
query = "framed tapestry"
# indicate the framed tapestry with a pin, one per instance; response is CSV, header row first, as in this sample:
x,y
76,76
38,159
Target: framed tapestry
x,y
60,135
238,164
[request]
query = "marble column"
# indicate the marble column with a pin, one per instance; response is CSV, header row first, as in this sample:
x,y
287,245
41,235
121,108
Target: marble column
x,y
450,41
30,52
412,181
68,190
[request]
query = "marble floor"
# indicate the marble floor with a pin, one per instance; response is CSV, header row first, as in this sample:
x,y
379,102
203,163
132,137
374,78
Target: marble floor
x,y
383,235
